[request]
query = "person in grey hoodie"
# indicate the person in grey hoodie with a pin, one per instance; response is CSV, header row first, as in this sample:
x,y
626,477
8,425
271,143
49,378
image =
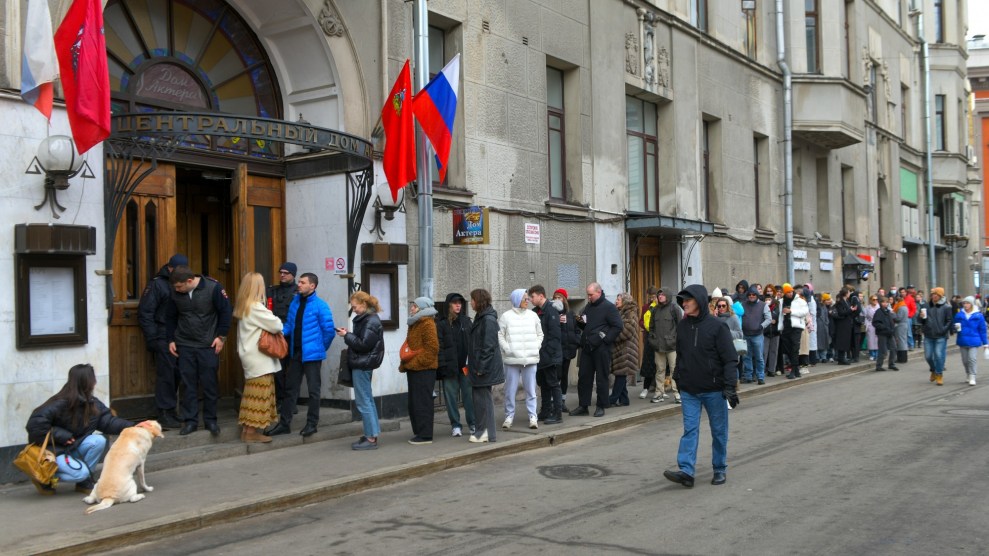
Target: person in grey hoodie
x,y
661,338
755,319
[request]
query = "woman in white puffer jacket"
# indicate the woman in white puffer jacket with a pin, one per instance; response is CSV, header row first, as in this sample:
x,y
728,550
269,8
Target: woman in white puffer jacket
x,y
520,335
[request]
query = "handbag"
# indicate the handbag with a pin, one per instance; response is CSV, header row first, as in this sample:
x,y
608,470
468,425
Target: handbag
x,y
345,377
405,353
273,345
38,462
741,346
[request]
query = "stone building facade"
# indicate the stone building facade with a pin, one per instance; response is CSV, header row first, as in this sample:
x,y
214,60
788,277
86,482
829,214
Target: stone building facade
x,y
643,137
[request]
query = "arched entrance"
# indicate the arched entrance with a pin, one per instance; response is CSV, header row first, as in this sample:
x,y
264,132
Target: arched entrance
x,y
215,196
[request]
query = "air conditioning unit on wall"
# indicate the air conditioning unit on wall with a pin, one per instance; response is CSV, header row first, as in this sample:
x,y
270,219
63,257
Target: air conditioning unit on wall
x,y
954,217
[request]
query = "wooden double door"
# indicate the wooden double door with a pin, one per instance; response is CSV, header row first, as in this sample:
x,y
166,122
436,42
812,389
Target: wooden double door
x,y
226,223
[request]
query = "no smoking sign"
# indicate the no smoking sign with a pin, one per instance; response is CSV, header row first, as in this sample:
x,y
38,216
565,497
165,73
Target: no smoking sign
x,y
337,264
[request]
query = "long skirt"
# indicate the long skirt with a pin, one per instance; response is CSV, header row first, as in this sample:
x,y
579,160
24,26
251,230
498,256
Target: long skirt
x,y
257,406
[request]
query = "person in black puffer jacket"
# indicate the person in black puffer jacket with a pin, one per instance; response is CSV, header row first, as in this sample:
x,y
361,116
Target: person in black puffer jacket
x,y
73,415
484,364
453,330
882,322
365,351
706,370
570,340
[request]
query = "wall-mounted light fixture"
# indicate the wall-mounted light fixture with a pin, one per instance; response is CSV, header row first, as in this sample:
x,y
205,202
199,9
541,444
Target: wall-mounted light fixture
x,y
59,161
385,206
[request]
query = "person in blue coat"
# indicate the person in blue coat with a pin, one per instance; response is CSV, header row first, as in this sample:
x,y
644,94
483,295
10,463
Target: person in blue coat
x,y
309,331
971,330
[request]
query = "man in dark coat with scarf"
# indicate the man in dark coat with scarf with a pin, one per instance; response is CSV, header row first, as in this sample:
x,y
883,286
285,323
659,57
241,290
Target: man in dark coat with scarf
x,y
602,324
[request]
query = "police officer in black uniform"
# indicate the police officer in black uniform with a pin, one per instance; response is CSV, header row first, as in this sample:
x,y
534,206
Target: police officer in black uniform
x,y
279,298
151,318
197,320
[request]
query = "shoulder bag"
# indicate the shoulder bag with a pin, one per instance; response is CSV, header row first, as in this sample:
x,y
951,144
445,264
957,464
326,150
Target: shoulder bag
x,y
273,345
38,462
345,377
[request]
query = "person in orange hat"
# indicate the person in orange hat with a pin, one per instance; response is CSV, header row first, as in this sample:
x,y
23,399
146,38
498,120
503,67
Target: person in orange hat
x,y
791,325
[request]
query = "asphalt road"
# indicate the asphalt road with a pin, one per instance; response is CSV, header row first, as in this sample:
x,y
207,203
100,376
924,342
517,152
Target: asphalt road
x,y
873,463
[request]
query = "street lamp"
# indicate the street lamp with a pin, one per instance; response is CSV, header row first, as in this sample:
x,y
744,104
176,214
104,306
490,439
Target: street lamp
x,y
59,161
386,207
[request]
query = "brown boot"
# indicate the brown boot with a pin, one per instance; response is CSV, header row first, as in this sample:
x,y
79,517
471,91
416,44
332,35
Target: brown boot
x,y
940,380
251,435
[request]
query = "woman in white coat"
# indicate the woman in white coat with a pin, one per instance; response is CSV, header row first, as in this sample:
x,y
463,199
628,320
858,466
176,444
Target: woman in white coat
x,y
257,406
520,335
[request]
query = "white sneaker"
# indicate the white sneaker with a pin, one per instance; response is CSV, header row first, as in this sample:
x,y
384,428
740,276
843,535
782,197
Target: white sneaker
x,y
508,423
729,405
477,439
457,432
676,398
659,397
645,392
533,423
971,380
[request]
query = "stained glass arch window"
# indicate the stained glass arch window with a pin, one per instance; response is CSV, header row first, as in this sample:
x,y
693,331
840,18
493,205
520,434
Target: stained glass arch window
x,y
192,56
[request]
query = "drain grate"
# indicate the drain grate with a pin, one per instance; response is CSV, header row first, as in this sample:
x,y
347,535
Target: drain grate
x,y
574,472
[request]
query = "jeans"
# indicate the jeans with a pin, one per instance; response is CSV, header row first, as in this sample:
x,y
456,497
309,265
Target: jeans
x,y
934,353
753,357
90,450
364,400
717,416
910,339
454,387
528,375
619,392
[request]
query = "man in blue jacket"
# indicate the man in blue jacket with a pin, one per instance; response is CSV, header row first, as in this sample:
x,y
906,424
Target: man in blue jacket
x,y
705,373
309,331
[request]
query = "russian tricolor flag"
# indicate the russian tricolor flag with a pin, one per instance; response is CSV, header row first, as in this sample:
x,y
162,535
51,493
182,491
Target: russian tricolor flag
x,y
39,66
435,107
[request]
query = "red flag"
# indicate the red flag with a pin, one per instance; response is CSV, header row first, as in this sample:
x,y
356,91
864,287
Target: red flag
x,y
81,49
399,161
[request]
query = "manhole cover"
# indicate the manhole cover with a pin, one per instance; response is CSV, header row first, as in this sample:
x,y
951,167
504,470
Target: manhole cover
x,y
969,412
574,472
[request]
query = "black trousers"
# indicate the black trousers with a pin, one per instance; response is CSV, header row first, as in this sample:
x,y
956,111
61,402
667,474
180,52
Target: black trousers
x,y
166,377
548,379
884,343
565,374
595,366
297,368
790,346
648,370
421,401
197,367
281,384
856,344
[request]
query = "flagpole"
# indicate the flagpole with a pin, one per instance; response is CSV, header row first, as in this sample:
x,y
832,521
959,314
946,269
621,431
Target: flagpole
x,y
421,60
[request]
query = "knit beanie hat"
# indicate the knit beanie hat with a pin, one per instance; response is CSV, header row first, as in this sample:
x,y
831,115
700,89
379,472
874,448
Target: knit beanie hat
x,y
289,267
423,302
939,291
969,299
787,288
562,292
825,297
716,293
517,297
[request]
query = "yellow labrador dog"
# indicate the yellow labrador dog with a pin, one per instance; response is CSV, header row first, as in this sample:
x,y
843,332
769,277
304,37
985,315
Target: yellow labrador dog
x,y
124,460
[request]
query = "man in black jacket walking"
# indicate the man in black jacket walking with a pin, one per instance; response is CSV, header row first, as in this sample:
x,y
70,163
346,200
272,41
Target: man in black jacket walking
x,y
151,317
706,369
602,324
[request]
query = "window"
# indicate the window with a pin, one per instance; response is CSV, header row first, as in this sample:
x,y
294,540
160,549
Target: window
x,y
812,31
848,40
938,20
939,121
847,202
706,170
824,207
904,113
643,150
874,94
760,171
698,14
751,43
556,136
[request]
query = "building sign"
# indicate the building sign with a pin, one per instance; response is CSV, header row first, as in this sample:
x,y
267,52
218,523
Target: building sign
x,y
799,254
470,226
337,265
801,265
827,267
145,126
532,233
171,83
827,256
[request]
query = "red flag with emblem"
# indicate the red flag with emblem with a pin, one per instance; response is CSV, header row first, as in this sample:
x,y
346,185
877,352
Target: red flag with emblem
x,y
81,49
399,160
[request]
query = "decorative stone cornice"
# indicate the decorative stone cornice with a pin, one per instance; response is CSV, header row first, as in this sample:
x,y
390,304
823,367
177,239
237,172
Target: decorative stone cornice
x,y
329,21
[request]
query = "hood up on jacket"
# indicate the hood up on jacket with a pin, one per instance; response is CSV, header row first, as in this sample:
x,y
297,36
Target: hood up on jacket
x,y
743,285
450,298
699,293
667,293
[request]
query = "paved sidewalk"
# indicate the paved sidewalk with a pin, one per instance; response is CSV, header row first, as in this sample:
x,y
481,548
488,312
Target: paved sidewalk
x,y
195,496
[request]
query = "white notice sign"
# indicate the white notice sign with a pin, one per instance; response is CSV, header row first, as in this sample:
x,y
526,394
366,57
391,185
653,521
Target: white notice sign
x,y
532,233
53,308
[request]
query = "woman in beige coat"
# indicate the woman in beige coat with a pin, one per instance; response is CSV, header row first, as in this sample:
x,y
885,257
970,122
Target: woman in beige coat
x,y
257,406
